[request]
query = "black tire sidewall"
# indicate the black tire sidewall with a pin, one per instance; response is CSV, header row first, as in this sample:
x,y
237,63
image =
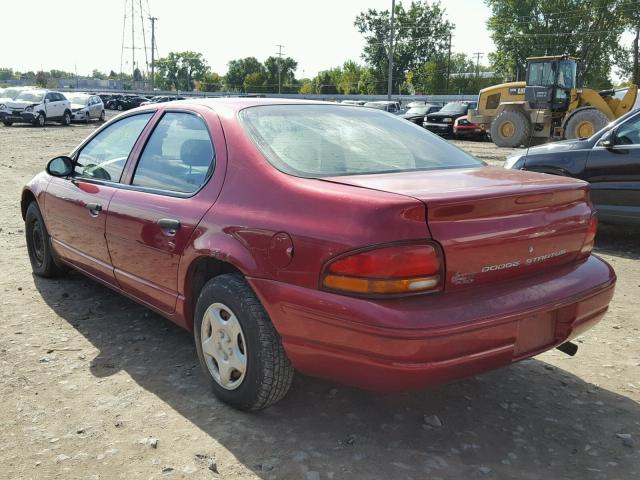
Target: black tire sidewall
x,y
48,267
223,291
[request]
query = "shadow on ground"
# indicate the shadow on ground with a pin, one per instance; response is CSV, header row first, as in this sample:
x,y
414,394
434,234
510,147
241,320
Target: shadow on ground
x,y
528,421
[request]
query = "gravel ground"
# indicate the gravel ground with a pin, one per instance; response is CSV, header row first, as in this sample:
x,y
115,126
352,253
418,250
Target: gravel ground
x,y
95,386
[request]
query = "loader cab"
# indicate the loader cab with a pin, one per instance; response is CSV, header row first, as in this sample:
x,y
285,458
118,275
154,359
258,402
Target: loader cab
x,y
550,81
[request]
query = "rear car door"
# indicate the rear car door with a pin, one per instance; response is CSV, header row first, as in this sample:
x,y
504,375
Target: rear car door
x,y
614,174
151,221
76,207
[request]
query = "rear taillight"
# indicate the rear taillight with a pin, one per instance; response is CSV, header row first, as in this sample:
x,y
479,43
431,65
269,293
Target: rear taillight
x,y
590,237
388,270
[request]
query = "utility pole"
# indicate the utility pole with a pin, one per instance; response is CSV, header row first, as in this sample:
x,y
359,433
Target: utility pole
x,y
448,65
636,74
153,48
390,82
478,55
279,53
133,43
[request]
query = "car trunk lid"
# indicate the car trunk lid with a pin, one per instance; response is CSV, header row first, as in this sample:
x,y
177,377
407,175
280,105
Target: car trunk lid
x,y
494,224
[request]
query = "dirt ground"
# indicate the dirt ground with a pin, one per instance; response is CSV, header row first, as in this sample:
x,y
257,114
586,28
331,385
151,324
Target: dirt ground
x,y
93,386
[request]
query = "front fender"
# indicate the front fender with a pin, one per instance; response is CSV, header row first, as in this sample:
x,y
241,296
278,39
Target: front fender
x,y
34,190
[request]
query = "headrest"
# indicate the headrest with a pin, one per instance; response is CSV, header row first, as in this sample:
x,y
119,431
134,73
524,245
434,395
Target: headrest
x,y
196,153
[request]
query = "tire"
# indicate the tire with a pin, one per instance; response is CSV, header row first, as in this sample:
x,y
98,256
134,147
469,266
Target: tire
x,y
224,303
102,116
87,118
584,123
40,120
511,129
119,108
66,119
7,124
41,255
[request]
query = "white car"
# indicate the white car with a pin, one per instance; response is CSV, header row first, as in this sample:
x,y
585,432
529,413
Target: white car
x,y
85,107
10,93
36,107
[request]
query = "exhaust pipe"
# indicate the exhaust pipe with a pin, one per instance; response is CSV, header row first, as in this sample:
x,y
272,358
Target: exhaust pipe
x,y
569,348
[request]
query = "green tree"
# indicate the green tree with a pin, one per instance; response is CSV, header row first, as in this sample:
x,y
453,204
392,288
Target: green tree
x,y
41,79
237,71
6,73
254,82
97,74
307,87
212,82
288,68
421,33
587,29
178,70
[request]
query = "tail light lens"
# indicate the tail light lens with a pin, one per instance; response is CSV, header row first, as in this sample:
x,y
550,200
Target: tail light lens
x,y
390,270
590,237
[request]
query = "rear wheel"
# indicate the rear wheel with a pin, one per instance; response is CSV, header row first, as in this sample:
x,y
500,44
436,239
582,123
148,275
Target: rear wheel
x,y
102,116
238,348
39,248
584,123
511,129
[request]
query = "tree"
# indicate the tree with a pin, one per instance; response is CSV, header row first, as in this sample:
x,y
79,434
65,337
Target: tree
x,y
238,71
6,73
587,29
41,79
287,66
178,70
97,74
421,33
137,75
212,82
254,82
307,87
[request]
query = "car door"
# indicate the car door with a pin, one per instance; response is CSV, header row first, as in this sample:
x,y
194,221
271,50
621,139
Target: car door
x,y
76,207
150,224
50,106
614,174
59,102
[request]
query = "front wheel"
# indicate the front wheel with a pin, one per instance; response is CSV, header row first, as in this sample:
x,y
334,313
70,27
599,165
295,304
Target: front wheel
x,y
7,124
87,118
238,347
120,108
66,119
40,120
102,116
39,247
511,128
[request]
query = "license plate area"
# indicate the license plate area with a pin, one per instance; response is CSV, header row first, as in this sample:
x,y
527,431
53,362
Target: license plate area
x,y
535,332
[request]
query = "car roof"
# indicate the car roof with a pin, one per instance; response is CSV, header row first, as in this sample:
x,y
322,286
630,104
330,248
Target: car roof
x,y
235,104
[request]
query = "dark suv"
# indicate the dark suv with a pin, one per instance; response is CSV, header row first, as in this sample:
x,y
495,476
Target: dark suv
x,y
441,122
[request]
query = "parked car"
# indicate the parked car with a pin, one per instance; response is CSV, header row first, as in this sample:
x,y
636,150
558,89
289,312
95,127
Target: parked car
x,y
463,128
85,108
416,114
105,97
162,99
36,107
609,161
391,107
10,93
357,103
340,242
126,102
441,122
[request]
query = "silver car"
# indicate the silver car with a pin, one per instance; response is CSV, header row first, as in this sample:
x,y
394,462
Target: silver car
x,y
85,107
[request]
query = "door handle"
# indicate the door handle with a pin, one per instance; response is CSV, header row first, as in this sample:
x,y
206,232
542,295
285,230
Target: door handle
x,y
169,224
94,208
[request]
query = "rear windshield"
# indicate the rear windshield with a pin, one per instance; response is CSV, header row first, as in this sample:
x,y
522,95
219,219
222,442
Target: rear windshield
x,y
325,140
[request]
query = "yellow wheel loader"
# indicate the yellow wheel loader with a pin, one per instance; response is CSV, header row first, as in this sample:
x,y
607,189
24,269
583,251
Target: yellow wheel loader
x,y
548,105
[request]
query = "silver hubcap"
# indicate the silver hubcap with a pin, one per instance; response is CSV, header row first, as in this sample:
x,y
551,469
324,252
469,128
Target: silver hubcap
x,y
223,346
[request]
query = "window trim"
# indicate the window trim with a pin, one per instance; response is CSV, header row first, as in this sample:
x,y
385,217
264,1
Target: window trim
x,y
172,193
82,146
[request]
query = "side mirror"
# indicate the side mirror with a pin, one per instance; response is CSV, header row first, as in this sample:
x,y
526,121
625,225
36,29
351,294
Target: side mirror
x,y
608,140
60,166
46,100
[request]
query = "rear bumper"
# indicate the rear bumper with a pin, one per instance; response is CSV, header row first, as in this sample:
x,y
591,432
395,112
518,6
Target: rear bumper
x,y
404,344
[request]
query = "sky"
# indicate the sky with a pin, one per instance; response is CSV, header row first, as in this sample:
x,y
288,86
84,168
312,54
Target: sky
x,y
80,35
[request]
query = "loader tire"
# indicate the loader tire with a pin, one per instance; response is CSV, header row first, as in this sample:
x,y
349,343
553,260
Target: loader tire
x,y
511,129
584,123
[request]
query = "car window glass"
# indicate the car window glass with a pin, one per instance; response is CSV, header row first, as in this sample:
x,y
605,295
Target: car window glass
x,y
179,155
104,157
629,132
324,140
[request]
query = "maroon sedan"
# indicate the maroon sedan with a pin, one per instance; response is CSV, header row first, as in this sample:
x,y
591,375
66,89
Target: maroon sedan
x,y
343,242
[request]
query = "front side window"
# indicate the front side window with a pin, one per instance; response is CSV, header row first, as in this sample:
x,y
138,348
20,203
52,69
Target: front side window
x,y
324,140
105,156
629,132
541,74
179,155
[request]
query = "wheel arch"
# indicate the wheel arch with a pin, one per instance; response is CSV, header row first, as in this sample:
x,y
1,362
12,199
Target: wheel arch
x,y
26,198
202,269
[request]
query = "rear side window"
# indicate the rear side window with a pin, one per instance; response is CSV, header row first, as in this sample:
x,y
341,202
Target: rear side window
x,y
325,140
179,155
105,155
